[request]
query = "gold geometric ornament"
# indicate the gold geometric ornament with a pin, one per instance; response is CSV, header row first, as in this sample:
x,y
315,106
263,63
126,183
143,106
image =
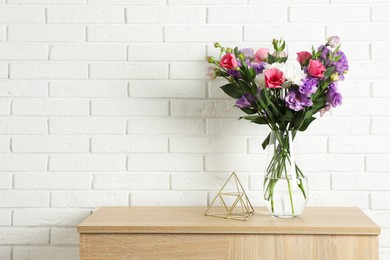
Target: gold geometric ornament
x,y
231,204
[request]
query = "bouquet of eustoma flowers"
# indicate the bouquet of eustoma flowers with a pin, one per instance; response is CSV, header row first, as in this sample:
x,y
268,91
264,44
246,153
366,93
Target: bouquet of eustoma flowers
x,y
285,95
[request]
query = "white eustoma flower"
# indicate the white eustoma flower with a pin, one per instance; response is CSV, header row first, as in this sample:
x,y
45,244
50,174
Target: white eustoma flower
x,y
291,72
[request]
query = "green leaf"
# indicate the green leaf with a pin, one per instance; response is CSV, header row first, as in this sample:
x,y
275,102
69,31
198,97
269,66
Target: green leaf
x,y
306,123
266,141
244,86
271,59
329,71
232,91
249,111
236,51
250,118
260,120
287,117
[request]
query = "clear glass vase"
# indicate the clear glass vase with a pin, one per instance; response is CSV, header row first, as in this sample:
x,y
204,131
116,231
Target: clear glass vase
x,y
285,187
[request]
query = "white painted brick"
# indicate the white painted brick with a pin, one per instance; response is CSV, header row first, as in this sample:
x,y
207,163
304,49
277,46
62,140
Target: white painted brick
x,y
206,182
202,33
46,33
47,2
166,52
165,162
359,144
330,14
235,127
49,217
331,162
57,181
302,144
214,89
366,182
188,70
65,236
126,2
130,107
205,2
4,144
352,32
200,144
384,253
129,144
5,253
50,107
384,237
5,218
356,1
47,70
380,13
205,108
87,15
2,33
318,182
380,200
88,52
88,88
168,88
5,107
166,15
290,2
339,126
354,88
368,70
87,163
229,163
380,126
124,33
5,181
3,70
22,162
256,181
363,107
237,15
85,125
144,181
378,51
46,253
381,218
89,199
139,70
23,51
380,89
164,126
23,125
22,14
171,198
14,235
20,199
378,163
23,88
338,199
289,32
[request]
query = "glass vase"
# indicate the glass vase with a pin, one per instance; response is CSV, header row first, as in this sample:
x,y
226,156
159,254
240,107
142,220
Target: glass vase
x,y
285,187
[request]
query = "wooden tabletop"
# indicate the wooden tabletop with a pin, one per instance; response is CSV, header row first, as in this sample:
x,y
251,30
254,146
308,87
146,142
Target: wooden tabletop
x,y
339,221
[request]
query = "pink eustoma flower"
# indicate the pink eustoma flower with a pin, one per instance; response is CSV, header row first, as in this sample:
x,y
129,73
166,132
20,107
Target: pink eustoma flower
x,y
261,54
303,56
228,61
316,69
274,78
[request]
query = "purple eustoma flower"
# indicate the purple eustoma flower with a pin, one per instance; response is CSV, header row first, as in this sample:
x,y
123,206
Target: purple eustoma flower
x,y
342,64
234,73
309,86
297,101
248,53
334,97
245,101
258,67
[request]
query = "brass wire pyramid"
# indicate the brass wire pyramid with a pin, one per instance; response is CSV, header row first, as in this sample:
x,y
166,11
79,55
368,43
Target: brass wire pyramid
x,y
240,207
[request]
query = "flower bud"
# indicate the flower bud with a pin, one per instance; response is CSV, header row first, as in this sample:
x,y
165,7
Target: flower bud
x,y
217,45
334,76
210,59
333,41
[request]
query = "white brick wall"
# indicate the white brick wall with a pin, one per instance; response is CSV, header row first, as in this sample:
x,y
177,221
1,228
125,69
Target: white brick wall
x,y
107,102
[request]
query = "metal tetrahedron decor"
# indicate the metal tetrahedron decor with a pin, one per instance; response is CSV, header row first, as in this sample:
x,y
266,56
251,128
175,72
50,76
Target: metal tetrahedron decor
x,y
232,204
